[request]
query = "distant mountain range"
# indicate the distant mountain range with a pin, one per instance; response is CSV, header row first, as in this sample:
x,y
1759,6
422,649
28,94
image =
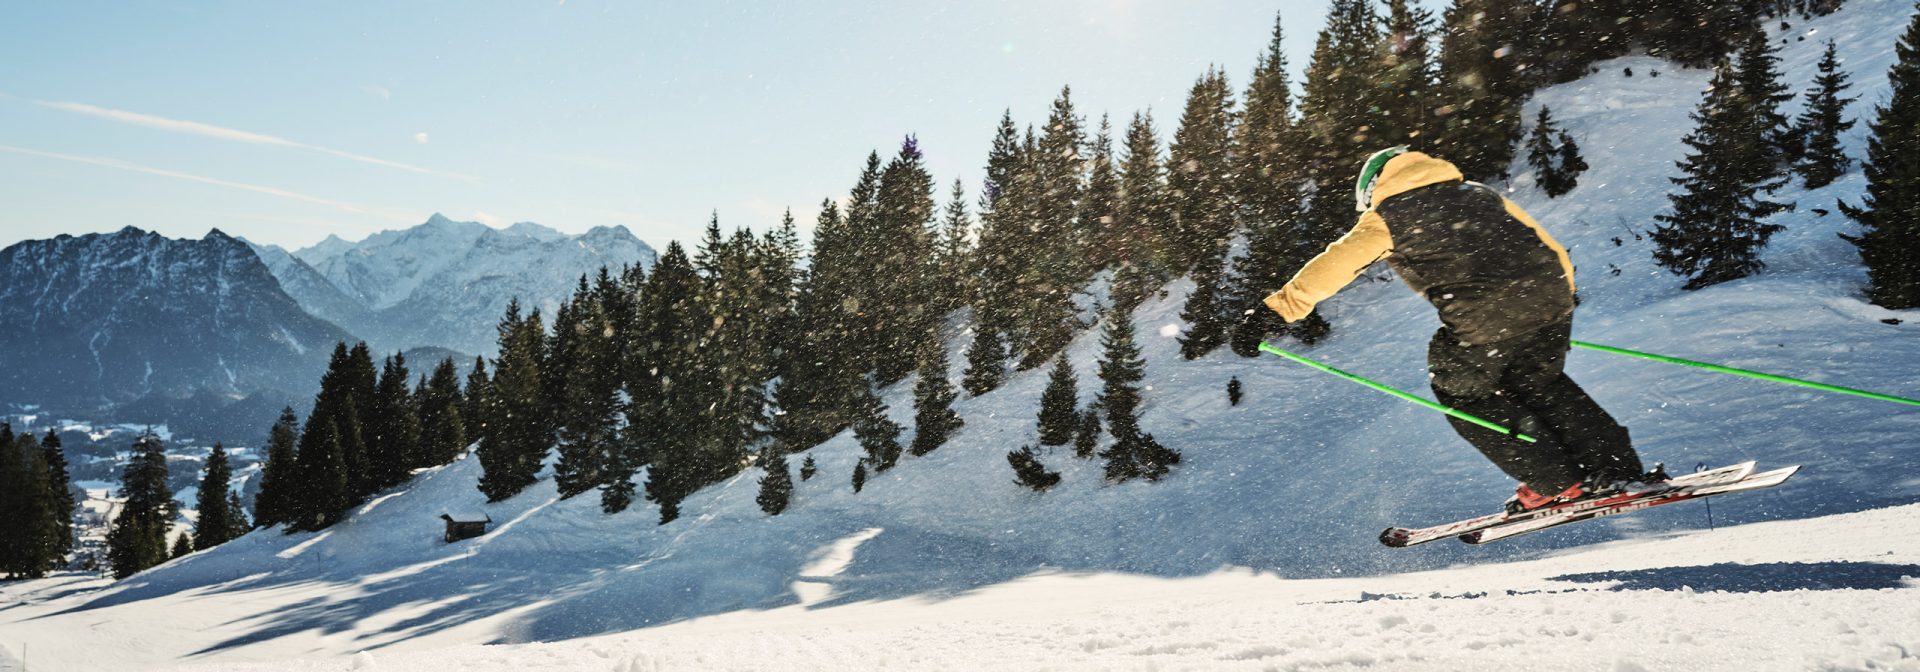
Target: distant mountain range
x,y
445,283
219,331
111,318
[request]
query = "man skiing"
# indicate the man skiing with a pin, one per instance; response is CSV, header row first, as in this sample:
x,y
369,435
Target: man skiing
x,y
1505,294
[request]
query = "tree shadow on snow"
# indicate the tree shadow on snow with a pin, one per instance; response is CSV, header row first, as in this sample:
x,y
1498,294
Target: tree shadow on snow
x,y
1761,578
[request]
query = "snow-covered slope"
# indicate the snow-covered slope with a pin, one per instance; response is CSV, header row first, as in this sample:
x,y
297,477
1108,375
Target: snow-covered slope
x,y
1294,483
445,283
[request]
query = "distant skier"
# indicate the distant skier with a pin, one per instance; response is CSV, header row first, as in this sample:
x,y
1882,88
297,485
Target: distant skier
x,y
1504,289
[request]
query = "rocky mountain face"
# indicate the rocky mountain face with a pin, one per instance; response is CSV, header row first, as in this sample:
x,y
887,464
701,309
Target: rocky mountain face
x,y
105,319
445,283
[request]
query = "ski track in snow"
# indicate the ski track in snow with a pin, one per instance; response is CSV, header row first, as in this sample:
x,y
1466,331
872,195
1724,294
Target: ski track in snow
x,y
1257,553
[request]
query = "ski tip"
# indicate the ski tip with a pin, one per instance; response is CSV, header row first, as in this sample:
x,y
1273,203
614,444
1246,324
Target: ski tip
x,y
1394,537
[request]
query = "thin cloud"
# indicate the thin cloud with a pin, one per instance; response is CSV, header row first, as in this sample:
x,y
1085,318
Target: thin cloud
x,y
231,134
258,189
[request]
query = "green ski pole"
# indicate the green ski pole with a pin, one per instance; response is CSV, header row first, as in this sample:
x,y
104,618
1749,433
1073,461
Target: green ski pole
x,y
1382,387
1743,372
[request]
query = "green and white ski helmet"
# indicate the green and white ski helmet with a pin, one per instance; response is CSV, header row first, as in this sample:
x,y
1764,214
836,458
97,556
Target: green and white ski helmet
x,y
1370,173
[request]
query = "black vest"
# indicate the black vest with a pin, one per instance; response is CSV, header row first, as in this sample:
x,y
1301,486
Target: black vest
x,y
1489,274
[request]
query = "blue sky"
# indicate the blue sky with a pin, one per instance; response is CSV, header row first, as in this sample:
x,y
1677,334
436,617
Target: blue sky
x,y
286,122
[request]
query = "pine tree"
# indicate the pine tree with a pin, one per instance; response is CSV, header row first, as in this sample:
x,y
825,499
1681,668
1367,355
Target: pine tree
x,y
1544,156
1054,268
137,539
953,258
674,398
1715,229
1233,391
1571,163
819,375
216,521
393,425
1142,212
443,429
933,418
523,431
1133,454
1029,473
1889,213
859,476
1200,173
1757,74
776,488
1100,241
986,360
1410,78
877,435
808,469
182,545
1485,49
588,434
30,529
60,484
1206,317
330,456
1086,438
1822,159
275,504
1059,405
477,404
237,523
360,383
1270,153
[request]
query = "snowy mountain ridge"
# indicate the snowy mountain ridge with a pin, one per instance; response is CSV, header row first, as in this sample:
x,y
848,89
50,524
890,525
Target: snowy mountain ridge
x,y
1258,550
110,318
445,282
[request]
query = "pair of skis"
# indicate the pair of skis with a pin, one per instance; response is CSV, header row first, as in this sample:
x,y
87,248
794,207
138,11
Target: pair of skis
x,y
1497,526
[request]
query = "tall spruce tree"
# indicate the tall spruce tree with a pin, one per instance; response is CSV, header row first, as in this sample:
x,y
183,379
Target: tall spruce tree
x,y
137,539
1410,92
275,504
1716,226
1100,239
443,430
394,426
29,524
1059,404
933,418
1485,56
1571,163
1052,266
588,434
1142,211
687,448
1757,70
1889,213
1134,454
1820,125
60,483
521,430
477,404
1269,151
1200,173
215,524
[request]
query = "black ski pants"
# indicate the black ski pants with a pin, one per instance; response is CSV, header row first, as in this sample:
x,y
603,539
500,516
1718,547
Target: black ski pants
x,y
1520,383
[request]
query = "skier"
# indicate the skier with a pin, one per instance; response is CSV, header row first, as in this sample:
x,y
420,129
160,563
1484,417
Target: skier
x,y
1504,290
